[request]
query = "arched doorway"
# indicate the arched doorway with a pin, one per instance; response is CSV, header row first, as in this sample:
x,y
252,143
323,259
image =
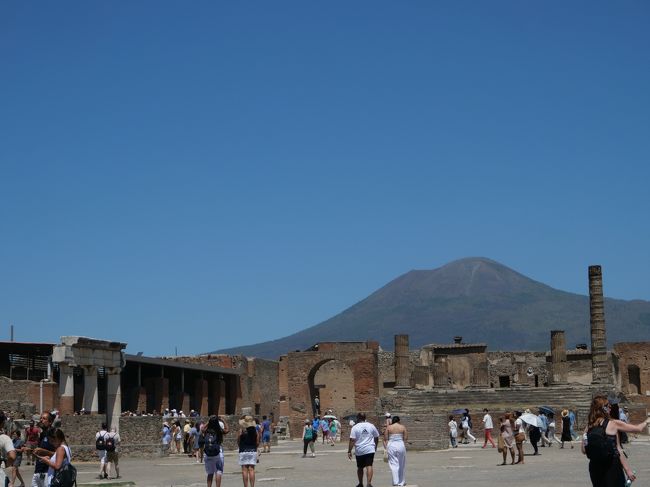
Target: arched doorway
x,y
634,379
332,381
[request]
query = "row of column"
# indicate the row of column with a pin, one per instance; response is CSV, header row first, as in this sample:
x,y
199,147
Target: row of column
x,y
205,392
91,393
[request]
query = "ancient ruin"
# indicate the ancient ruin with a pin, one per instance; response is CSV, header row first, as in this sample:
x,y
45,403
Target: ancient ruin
x,y
96,378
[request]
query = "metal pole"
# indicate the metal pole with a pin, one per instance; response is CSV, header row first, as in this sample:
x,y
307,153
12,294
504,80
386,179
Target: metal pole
x,y
40,384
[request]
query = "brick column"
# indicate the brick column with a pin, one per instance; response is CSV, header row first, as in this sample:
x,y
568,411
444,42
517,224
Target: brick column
x,y
222,397
201,395
402,372
597,318
91,396
66,389
559,364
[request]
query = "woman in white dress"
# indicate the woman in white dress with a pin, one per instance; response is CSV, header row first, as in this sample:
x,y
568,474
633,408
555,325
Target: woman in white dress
x,y
395,437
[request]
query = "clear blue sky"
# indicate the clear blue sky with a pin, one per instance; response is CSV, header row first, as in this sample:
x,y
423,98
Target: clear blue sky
x,y
209,174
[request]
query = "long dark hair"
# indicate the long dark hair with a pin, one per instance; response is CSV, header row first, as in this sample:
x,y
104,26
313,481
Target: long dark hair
x,y
57,434
214,426
598,411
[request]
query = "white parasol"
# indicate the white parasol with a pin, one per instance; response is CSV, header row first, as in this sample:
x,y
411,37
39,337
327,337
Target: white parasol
x,y
532,419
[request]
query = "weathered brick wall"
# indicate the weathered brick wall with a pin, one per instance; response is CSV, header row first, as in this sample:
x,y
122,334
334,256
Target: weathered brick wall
x,y
630,355
260,387
22,397
505,364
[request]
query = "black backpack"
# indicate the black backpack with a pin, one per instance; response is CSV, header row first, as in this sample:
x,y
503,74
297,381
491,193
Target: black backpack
x,y
599,448
110,443
100,442
211,448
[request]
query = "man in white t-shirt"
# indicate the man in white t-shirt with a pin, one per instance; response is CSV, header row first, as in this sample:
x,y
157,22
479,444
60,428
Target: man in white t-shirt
x,y
100,447
487,427
364,438
7,451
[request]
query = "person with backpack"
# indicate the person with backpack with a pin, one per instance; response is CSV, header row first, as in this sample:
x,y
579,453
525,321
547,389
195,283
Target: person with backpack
x,y
601,446
112,456
60,473
308,439
100,446
213,450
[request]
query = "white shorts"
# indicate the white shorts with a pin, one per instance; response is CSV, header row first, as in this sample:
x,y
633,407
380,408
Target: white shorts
x,y
40,480
213,464
102,456
248,458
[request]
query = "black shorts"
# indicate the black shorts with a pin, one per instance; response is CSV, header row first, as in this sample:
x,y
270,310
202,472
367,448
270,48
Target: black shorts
x,y
365,460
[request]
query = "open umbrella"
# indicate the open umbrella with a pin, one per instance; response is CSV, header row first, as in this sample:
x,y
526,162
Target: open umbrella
x,y
459,411
531,419
329,416
546,410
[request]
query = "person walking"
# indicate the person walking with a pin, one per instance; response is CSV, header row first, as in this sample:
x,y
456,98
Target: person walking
x,y
32,433
100,448
364,437
566,429
615,413
308,439
61,456
248,440
467,431
213,451
266,435
166,437
605,468
544,429
396,436
333,432
506,433
453,431
572,423
534,434
552,430
44,448
19,445
112,453
488,425
520,436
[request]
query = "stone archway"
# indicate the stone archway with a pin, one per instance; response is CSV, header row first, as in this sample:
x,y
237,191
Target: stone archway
x,y
333,383
361,358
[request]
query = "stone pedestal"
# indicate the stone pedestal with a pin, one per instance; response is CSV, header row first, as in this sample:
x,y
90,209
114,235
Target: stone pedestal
x,y
559,366
91,395
185,402
402,369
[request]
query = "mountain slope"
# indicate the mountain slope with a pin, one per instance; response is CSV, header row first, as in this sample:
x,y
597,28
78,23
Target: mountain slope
x,y
476,298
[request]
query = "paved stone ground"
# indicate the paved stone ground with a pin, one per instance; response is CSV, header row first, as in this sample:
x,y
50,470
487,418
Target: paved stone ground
x,y
465,465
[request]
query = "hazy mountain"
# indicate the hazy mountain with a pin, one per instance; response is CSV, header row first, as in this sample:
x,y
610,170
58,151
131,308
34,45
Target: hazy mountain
x,y
476,298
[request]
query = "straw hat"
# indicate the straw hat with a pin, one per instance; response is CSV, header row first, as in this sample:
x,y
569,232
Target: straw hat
x,y
565,412
247,421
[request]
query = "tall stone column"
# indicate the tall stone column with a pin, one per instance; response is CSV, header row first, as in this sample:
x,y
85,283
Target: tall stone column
x,y
66,389
597,318
113,399
402,372
559,366
91,395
